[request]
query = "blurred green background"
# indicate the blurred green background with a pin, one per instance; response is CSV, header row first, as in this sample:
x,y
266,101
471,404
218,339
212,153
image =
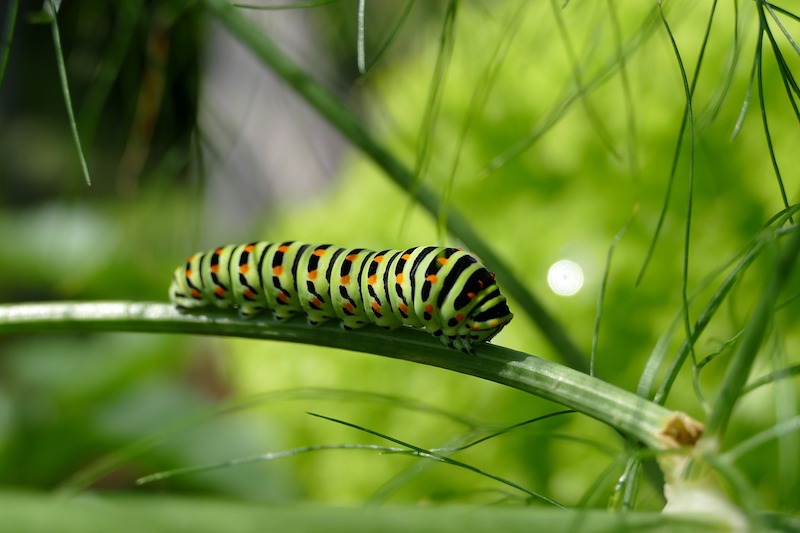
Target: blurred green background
x,y
191,143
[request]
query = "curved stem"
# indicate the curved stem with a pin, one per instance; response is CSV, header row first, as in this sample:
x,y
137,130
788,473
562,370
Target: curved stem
x,y
653,425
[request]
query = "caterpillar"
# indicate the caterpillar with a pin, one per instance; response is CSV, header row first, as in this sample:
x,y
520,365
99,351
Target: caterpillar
x,y
446,291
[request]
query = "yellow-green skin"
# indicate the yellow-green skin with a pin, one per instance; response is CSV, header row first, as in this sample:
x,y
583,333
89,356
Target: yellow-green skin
x,y
446,291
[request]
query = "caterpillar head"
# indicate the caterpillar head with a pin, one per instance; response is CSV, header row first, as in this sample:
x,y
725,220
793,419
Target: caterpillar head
x,y
488,317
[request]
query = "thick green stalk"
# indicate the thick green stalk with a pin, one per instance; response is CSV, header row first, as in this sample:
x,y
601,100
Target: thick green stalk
x,y
337,113
655,426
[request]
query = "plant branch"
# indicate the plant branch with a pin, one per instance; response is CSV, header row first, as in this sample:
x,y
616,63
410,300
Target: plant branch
x,y
653,425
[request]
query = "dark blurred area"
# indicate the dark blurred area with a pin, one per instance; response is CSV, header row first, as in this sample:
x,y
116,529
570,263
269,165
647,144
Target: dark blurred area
x,y
133,70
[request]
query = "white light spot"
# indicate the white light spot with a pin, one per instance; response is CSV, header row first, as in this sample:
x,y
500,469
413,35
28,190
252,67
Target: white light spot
x,y
565,277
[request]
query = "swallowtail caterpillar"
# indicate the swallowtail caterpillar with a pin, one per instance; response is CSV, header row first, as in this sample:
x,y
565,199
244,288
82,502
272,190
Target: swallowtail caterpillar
x,y
446,291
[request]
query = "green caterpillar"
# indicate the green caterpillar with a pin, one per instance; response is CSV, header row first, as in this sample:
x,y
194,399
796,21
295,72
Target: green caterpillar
x,y
446,291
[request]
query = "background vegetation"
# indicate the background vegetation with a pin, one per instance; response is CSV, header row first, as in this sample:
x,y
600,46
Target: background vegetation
x,y
557,131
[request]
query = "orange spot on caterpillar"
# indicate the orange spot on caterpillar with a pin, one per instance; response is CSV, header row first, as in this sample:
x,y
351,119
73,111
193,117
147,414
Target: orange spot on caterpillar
x,y
243,269
432,278
282,297
283,248
219,291
429,309
277,271
399,278
475,327
218,251
188,273
471,295
376,306
319,253
372,279
312,275
316,303
249,248
345,280
248,294
442,260
349,307
352,257
403,307
406,256
378,259
214,268
460,317
196,294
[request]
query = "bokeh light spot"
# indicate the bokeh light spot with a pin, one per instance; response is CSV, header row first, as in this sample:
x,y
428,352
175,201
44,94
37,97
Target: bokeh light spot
x,y
565,277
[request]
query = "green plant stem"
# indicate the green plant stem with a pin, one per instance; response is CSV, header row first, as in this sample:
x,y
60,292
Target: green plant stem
x,y
62,74
742,362
623,410
335,112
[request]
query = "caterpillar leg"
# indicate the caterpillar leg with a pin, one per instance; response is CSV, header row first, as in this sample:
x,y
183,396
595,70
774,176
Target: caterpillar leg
x,y
351,324
457,342
317,320
250,311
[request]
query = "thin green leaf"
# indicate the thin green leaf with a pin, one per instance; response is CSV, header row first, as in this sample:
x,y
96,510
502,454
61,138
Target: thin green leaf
x,y
714,105
128,15
627,487
772,9
577,75
422,452
84,478
479,97
737,127
503,431
596,494
574,95
390,38
764,30
783,373
627,92
688,118
779,9
253,459
601,294
62,74
432,107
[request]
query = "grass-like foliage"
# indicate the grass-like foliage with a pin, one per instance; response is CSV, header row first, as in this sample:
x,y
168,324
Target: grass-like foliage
x,y
634,138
